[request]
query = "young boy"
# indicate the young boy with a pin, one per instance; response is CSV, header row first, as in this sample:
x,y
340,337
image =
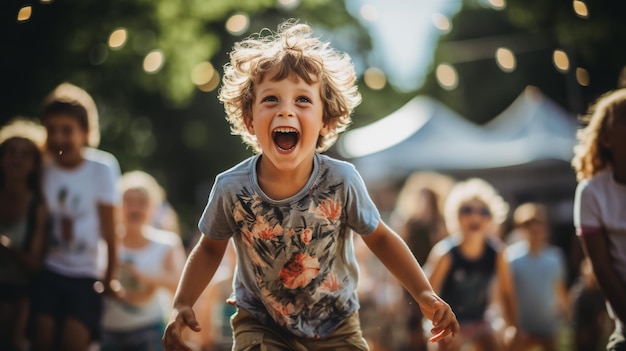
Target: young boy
x,y
81,197
538,271
290,210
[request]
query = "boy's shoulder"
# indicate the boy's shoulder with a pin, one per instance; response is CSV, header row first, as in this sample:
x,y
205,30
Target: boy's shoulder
x,y
234,174
337,168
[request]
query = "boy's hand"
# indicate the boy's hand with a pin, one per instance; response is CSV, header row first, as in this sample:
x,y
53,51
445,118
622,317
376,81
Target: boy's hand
x,y
443,319
182,318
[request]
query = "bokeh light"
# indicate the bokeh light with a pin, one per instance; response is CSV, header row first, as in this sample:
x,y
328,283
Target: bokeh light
x,y
118,38
561,61
497,4
582,76
441,22
45,1
153,61
202,73
374,78
447,77
288,4
212,84
369,12
506,59
580,8
238,24
24,13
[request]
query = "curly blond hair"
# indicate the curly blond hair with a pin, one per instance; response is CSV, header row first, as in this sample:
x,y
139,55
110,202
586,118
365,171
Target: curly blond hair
x,y
291,50
590,155
474,189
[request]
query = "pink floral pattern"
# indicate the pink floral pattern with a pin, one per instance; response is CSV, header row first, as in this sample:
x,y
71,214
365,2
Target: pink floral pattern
x,y
292,253
327,209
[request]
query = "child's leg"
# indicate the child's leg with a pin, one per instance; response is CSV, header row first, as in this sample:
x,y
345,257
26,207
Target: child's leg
x,y
44,333
75,336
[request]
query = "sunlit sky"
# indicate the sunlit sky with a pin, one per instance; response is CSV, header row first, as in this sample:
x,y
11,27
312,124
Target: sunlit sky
x,y
403,34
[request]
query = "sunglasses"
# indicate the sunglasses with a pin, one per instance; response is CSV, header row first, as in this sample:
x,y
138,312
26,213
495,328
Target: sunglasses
x,y
467,210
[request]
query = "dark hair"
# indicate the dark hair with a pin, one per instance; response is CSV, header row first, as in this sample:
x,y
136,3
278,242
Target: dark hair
x,y
34,178
67,107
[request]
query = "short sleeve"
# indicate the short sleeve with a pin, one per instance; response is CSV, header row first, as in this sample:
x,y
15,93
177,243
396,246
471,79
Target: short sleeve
x,y
107,177
361,212
586,209
217,221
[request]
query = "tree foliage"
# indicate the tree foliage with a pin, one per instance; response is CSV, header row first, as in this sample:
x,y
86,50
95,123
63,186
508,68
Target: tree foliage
x,y
159,122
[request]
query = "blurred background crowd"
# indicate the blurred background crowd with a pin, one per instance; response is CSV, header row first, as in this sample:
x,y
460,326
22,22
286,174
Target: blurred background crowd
x,y
462,100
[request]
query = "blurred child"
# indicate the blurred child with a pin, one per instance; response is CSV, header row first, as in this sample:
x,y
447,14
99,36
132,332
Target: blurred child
x,y
588,312
67,91
291,210
23,222
600,164
538,271
81,196
463,267
418,218
150,259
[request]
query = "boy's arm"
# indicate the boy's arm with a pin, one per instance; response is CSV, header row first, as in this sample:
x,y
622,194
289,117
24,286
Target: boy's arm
x,y
106,214
201,265
596,247
393,252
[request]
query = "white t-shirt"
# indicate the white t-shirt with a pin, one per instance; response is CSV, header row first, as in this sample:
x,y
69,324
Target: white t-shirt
x,y
72,196
150,261
600,204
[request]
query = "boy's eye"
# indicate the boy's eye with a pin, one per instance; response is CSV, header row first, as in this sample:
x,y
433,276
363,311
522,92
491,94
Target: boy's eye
x,y
269,99
303,99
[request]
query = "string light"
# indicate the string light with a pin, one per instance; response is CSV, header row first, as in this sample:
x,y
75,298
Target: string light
x,y
561,61
118,38
505,59
24,13
375,78
580,8
153,62
447,77
237,24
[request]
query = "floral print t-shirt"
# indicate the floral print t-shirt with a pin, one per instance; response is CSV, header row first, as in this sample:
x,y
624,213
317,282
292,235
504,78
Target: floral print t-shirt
x,y
296,267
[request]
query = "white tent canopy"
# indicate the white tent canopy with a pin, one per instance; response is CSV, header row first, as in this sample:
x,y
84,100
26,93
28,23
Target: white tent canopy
x,y
426,135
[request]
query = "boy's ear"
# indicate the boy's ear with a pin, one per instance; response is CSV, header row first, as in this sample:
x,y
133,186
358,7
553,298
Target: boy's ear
x,y
325,129
249,126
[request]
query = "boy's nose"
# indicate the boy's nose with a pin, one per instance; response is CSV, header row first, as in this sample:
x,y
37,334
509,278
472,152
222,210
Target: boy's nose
x,y
286,112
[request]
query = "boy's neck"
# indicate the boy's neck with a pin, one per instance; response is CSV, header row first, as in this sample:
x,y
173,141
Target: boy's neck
x,y
278,184
70,160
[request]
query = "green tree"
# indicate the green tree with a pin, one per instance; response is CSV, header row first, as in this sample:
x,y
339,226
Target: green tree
x,y
159,122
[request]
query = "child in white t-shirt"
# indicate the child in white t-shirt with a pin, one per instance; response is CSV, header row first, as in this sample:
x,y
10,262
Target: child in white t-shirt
x,y
600,202
81,197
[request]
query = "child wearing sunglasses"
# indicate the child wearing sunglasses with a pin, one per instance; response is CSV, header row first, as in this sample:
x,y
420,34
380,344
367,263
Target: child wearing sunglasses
x,y
463,267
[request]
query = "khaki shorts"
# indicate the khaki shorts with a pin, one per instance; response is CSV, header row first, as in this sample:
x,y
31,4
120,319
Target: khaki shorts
x,y
250,335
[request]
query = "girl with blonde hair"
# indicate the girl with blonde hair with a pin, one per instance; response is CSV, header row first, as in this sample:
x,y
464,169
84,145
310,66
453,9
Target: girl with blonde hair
x,y
463,267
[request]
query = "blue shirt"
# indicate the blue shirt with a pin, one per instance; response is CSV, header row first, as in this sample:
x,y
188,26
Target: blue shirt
x,y
535,277
296,267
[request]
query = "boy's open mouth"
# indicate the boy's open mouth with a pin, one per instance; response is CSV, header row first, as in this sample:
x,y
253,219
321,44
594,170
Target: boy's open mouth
x,y
285,138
